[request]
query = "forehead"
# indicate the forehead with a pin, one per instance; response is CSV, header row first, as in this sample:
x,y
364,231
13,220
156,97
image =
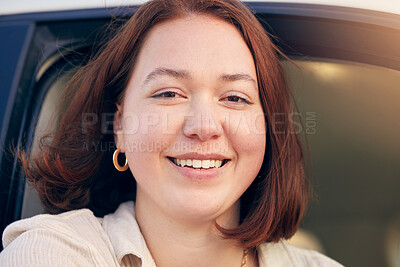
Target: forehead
x,y
196,41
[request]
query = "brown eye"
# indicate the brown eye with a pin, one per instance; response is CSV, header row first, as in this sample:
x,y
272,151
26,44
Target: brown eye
x,y
234,98
237,99
166,94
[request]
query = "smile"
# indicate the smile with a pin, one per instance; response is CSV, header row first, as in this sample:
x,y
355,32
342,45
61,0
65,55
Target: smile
x,y
198,164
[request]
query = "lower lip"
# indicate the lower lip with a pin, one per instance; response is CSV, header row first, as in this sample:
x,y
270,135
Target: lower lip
x,y
199,174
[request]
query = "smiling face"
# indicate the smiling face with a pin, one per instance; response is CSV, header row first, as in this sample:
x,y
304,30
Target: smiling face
x,y
191,122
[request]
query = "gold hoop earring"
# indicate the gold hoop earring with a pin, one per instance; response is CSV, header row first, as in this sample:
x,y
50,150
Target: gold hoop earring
x,y
115,161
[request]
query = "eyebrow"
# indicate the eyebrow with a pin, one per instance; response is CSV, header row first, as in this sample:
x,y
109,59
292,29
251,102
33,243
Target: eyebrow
x,y
238,77
183,74
158,72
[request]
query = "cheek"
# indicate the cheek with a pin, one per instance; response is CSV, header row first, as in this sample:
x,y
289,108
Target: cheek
x,y
247,128
146,136
247,133
149,128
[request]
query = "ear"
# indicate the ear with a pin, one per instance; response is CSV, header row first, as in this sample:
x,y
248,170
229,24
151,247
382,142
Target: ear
x,y
118,129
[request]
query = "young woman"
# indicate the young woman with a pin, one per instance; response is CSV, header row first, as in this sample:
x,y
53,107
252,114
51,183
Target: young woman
x,y
194,87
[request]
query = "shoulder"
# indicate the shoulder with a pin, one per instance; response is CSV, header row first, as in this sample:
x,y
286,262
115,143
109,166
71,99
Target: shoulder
x,y
64,223
284,254
74,238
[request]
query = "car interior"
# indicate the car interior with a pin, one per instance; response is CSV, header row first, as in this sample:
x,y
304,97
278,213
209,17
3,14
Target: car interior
x,y
345,76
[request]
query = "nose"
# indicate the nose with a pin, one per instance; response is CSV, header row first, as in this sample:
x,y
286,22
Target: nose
x,y
202,123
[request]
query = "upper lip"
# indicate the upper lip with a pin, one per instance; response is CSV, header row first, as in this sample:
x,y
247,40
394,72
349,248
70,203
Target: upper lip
x,y
199,156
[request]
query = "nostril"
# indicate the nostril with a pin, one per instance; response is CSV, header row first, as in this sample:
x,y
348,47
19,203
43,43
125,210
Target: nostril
x,y
204,127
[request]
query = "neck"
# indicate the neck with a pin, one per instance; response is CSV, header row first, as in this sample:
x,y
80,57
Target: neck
x,y
173,242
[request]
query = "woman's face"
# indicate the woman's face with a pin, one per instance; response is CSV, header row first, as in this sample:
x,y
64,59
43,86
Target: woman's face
x,y
191,122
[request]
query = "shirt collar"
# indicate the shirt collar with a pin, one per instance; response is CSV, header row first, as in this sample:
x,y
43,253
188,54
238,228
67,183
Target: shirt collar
x,y
125,235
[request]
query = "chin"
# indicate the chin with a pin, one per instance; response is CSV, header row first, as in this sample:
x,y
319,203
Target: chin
x,y
206,211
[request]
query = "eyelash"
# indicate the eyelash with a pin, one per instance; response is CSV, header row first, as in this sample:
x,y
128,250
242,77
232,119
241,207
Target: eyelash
x,y
173,94
246,101
164,93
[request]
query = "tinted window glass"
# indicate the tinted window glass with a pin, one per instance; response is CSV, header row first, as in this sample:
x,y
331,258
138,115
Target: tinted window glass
x,y
351,114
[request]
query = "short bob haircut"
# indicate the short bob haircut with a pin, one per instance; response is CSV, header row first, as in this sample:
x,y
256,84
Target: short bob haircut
x,y
70,171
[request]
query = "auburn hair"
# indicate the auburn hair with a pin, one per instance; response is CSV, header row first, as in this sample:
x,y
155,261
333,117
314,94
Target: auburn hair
x,y
73,167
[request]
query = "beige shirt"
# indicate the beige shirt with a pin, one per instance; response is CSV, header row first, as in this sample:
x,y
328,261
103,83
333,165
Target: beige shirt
x,y
78,238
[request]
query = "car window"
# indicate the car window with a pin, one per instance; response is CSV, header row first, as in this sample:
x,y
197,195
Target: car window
x,y
31,204
350,117
349,114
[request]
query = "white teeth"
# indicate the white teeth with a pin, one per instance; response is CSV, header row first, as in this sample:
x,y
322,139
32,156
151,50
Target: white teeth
x,y
218,163
197,164
205,164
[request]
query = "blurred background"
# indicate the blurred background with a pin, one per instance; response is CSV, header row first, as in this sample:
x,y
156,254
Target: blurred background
x,y
345,76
